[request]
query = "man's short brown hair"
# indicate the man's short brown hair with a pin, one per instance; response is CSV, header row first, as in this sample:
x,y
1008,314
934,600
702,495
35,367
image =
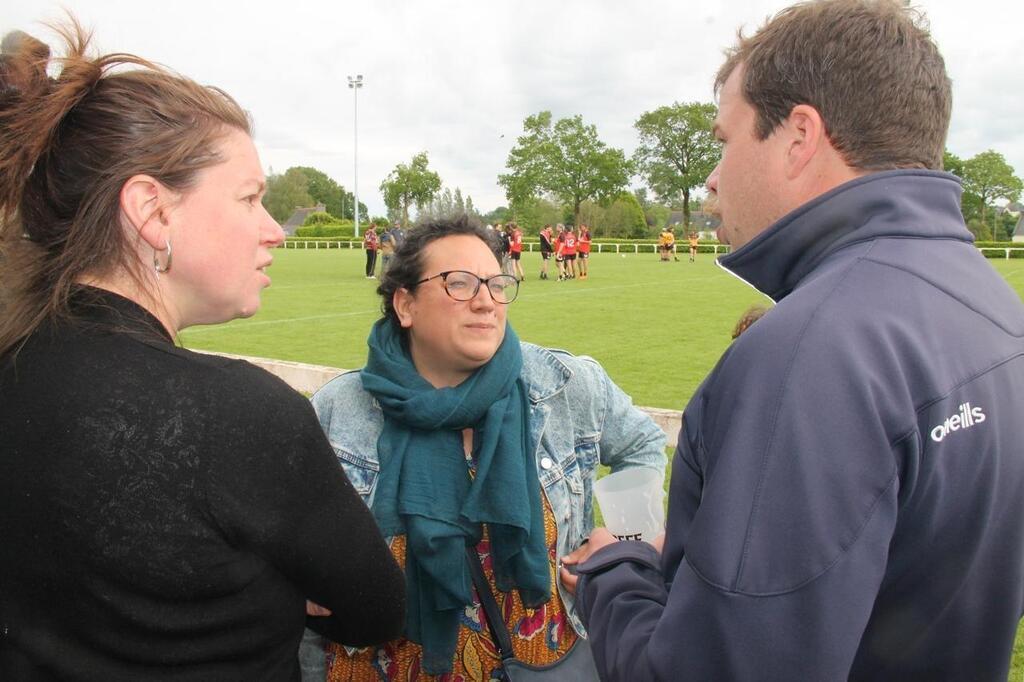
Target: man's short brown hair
x,y
869,67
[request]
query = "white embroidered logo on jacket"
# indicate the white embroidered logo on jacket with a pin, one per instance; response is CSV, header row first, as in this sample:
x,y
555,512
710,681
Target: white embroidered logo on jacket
x,y
964,419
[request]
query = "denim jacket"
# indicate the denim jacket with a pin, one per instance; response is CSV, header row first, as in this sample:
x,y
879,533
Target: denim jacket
x,y
578,419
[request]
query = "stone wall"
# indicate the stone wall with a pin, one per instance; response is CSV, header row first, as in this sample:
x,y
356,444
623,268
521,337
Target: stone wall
x,y
309,378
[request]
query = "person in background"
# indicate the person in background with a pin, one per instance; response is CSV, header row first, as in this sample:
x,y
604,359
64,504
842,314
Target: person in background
x,y
397,234
546,249
370,244
505,244
559,246
666,243
458,435
164,514
569,253
583,250
694,242
515,251
749,317
845,498
386,246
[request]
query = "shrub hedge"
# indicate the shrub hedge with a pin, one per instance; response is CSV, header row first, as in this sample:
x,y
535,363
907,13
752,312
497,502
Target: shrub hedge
x,y
325,231
1001,252
998,245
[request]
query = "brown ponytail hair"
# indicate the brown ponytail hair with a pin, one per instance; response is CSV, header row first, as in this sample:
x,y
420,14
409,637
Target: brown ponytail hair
x,y
68,144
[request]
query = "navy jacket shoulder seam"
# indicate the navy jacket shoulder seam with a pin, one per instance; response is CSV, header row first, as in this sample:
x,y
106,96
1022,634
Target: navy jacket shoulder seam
x,y
946,293
769,441
799,586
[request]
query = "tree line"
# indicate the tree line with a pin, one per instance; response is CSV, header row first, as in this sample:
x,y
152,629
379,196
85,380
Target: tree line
x,y
561,171
987,178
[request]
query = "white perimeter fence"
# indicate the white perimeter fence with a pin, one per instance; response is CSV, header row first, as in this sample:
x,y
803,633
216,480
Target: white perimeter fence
x,y
531,247
316,244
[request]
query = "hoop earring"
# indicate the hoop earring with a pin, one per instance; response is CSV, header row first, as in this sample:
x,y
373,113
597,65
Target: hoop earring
x,y
156,260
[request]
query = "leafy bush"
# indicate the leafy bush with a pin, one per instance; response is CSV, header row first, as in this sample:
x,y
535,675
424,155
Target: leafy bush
x,y
328,231
320,218
1001,252
997,245
610,240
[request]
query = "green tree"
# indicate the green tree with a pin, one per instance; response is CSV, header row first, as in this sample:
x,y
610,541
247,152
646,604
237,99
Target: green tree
x,y
407,185
502,214
323,189
332,195
980,230
1005,225
989,177
533,214
565,160
970,203
304,186
321,218
447,203
677,150
285,193
624,218
951,163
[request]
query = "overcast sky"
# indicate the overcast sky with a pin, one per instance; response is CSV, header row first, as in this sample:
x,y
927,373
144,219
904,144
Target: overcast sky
x,y
456,79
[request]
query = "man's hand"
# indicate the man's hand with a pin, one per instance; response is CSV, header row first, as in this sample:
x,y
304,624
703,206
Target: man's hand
x,y
659,542
599,537
314,609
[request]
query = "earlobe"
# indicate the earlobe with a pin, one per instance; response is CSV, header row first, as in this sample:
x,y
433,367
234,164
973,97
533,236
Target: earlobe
x,y
141,205
402,302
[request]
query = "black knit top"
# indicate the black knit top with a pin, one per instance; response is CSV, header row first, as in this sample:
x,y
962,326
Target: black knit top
x,y
164,515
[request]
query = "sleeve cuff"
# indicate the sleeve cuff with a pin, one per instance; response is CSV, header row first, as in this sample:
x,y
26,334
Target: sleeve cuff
x,y
615,553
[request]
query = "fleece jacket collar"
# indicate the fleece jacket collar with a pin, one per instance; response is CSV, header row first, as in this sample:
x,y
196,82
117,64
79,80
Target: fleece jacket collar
x,y
910,204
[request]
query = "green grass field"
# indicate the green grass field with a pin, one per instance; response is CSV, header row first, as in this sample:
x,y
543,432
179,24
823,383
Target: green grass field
x,y
658,328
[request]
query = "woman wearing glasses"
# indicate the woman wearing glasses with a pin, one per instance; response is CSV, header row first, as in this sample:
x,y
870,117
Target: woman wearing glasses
x,y
459,435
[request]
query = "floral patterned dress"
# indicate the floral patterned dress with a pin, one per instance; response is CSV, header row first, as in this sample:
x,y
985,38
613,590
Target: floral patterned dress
x,y
539,636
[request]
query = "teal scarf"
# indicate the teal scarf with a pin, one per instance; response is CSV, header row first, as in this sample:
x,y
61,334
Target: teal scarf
x,y
424,490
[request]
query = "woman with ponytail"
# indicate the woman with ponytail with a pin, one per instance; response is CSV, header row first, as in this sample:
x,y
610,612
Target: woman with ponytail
x,y
164,515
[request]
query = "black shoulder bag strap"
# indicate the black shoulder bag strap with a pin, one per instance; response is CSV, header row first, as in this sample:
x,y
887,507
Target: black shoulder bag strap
x,y
495,621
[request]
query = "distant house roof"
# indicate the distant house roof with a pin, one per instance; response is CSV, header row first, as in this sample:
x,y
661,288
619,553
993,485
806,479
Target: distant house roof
x,y
1018,232
299,217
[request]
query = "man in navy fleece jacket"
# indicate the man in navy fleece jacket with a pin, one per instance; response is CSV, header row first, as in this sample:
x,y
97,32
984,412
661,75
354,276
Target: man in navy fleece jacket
x,y
847,496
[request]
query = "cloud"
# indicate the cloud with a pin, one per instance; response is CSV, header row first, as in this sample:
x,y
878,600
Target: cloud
x,y
451,78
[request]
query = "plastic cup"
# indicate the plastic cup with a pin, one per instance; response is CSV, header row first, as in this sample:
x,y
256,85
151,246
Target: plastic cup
x,y
631,503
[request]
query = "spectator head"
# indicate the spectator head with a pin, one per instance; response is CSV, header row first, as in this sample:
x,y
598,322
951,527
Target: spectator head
x,y
75,151
826,91
749,317
408,261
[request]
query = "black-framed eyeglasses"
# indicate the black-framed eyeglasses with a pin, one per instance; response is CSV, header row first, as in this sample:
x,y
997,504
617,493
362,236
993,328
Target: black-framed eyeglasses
x,y
463,286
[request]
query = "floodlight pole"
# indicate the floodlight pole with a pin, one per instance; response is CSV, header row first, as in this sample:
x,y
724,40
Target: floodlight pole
x,y
355,84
